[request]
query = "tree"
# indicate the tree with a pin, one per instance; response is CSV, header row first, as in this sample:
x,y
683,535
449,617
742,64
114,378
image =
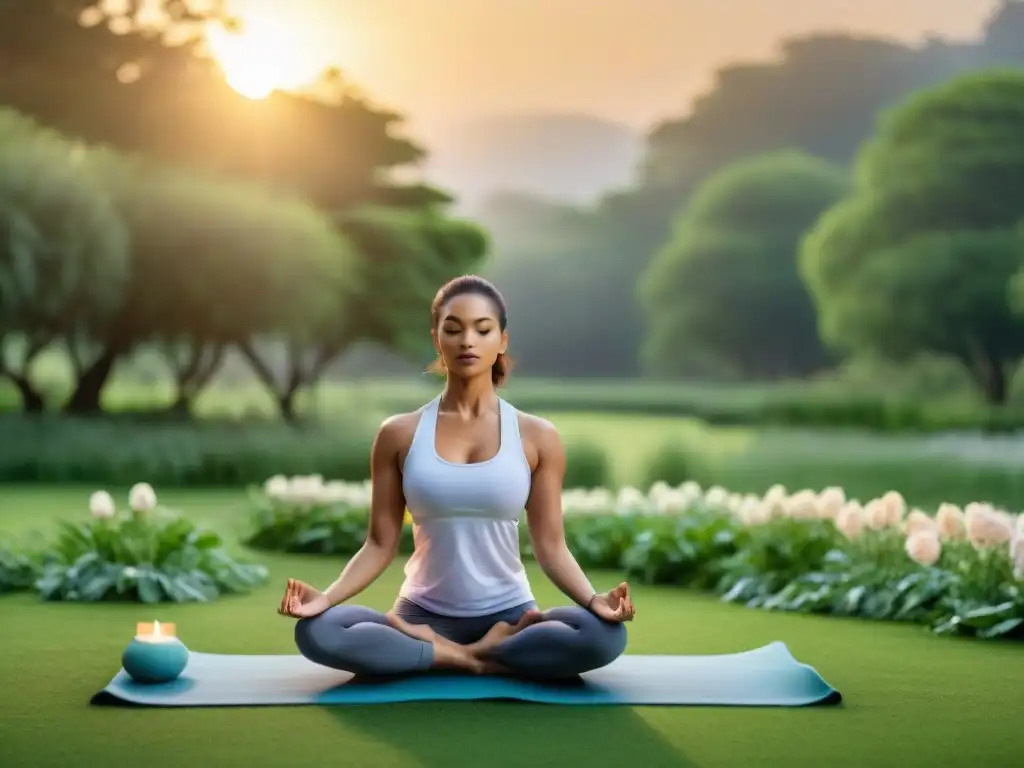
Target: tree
x,y
725,295
63,249
821,95
414,254
215,263
134,75
920,257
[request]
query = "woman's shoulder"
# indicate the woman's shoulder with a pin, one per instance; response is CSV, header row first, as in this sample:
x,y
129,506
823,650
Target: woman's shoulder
x,y
537,430
399,429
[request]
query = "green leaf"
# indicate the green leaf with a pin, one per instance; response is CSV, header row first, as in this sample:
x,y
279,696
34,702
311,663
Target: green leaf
x,y
1003,628
149,587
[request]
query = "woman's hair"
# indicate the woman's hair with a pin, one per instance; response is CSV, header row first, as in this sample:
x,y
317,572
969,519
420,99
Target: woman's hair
x,y
461,286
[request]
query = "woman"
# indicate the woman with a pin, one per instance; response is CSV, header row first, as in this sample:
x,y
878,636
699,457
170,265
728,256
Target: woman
x,y
466,465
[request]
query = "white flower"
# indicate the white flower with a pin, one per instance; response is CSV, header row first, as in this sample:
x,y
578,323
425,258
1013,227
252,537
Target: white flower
x,y
101,505
276,487
986,527
924,547
895,507
754,511
876,515
142,497
919,521
850,519
630,499
777,493
716,496
802,505
950,521
830,501
691,490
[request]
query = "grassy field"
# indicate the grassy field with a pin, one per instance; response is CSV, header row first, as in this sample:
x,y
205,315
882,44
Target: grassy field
x,y
911,699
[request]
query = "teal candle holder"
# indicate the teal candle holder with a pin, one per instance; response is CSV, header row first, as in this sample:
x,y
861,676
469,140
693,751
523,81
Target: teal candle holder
x,y
154,657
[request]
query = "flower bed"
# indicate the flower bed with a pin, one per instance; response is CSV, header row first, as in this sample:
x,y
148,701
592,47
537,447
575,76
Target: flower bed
x,y
956,570
147,554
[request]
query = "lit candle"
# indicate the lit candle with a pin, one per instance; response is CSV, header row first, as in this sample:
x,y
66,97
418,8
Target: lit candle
x,y
155,654
155,632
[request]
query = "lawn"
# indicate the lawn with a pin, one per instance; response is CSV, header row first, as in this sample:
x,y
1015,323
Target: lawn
x,y
911,699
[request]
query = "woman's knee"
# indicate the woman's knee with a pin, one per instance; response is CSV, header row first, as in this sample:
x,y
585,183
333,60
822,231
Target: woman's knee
x,y
599,641
319,637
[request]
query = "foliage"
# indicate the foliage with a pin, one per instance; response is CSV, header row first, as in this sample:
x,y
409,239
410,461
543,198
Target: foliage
x,y
19,569
920,257
63,248
586,465
735,245
609,244
803,552
672,464
149,555
414,254
321,522
245,245
117,451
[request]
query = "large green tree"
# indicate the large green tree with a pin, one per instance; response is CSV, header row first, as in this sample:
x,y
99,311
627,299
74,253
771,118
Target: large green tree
x,y
133,76
820,94
724,295
215,264
64,251
921,256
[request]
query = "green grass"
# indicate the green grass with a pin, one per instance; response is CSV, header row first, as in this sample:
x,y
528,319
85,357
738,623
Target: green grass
x,y
911,699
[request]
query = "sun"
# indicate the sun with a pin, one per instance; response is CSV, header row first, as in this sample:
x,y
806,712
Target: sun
x,y
248,59
251,77
265,56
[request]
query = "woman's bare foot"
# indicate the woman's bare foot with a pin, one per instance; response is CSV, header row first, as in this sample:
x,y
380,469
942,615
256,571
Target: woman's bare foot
x,y
447,654
502,631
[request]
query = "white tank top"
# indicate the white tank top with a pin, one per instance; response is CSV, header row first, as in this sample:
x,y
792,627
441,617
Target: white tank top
x,y
466,523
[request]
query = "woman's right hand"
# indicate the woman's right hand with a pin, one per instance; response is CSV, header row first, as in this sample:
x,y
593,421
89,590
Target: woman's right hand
x,y
302,601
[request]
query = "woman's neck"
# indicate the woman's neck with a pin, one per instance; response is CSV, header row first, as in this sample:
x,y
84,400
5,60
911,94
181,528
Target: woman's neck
x,y
470,397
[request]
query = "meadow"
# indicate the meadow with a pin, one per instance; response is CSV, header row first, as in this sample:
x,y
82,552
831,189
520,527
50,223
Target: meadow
x,y
911,698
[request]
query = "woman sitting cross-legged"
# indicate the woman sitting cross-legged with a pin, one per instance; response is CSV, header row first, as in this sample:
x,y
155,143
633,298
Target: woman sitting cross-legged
x,y
465,465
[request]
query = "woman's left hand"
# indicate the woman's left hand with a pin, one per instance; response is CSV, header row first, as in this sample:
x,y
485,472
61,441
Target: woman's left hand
x,y
614,605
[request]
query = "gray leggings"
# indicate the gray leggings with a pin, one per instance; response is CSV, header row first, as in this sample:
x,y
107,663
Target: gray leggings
x,y
569,641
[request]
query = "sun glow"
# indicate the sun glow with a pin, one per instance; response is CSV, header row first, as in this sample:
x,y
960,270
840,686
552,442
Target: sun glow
x,y
262,57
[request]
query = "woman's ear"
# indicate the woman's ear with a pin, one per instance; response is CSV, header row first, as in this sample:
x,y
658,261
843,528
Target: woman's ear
x,y
504,342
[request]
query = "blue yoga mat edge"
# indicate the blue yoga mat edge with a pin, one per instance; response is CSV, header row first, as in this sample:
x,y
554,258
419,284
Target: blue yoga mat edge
x,y
768,676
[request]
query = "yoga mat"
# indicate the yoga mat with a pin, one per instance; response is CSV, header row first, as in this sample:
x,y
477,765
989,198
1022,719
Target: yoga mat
x,y
765,677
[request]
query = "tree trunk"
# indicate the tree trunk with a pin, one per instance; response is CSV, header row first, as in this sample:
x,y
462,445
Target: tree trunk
x,y
86,398
286,404
31,399
989,374
996,386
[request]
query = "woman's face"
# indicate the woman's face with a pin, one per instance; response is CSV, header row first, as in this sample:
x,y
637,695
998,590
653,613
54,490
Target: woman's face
x,y
468,336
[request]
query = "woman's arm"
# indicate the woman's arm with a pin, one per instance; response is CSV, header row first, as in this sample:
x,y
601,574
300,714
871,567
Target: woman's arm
x,y
387,509
544,518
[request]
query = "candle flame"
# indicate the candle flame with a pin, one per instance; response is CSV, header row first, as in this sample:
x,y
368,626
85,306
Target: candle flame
x,y
155,630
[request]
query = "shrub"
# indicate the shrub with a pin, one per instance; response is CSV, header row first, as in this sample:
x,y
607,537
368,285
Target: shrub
x,y
957,570
671,464
18,570
149,555
304,514
117,451
586,466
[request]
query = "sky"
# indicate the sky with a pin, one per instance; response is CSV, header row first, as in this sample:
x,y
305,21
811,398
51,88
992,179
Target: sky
x,y
631,61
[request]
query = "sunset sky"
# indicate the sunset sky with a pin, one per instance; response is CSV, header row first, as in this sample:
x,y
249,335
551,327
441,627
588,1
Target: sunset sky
x,y
442,61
